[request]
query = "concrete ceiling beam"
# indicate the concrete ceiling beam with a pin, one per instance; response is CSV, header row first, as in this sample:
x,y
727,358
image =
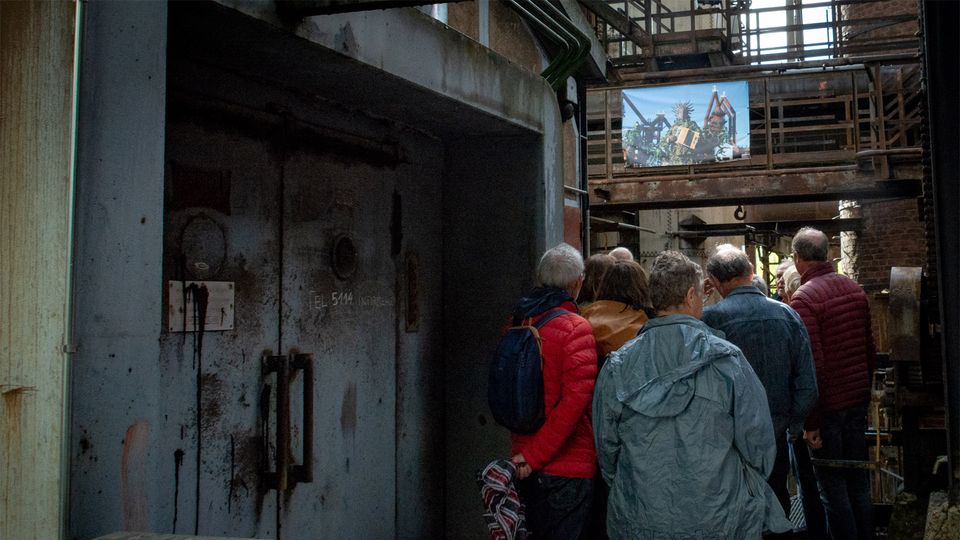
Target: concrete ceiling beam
x,y
309,8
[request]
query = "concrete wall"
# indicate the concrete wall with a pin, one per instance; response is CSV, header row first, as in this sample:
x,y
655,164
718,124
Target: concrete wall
x,y
491,247
433,57
119,245
36,198
420,361
494,25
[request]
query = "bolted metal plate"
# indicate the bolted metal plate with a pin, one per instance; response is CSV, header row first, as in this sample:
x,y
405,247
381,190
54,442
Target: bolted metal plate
x,y
903,321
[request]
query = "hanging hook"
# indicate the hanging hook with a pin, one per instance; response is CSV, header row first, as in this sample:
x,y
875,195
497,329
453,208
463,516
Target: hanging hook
x,y
739,214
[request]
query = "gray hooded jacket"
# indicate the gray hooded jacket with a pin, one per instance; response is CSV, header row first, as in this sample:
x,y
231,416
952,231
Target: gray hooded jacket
x,y
684,437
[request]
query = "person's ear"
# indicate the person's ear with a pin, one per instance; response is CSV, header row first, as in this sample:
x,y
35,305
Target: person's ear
x,y
691,297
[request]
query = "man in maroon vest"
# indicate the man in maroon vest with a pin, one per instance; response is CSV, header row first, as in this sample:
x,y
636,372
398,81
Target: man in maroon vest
x,y
835,311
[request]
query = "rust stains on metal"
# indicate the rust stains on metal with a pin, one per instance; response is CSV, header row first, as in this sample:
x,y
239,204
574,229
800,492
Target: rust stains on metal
x,y
14,477
711,190
348,410
133,476
640,179
246,460
13,408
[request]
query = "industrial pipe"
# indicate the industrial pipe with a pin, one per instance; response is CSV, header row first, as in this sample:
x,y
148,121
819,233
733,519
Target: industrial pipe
x,y
551,30
582,42
621,225
557,26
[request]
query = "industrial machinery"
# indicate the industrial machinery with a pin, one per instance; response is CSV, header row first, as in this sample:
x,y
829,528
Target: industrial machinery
x,y
905,424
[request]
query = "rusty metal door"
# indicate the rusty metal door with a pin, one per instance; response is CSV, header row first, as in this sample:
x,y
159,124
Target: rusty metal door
x,y
222,222
283,426
339,306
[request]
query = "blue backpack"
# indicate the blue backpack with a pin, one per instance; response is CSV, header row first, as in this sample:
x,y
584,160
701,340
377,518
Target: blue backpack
x,y
515,388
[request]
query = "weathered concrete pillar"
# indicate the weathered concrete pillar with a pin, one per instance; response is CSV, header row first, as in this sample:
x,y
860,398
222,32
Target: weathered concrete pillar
x,y
37,41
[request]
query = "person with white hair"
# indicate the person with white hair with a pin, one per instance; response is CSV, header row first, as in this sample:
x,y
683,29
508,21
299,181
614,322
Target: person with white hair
x,y
621,254
683,432
791,282
782,268
556,463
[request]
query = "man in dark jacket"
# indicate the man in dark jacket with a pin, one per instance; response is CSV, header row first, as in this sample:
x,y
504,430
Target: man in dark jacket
x,y
556,464
835,311
774,340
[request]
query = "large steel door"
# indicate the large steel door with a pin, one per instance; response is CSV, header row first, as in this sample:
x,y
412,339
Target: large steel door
x,y
305,243
222,223
338,304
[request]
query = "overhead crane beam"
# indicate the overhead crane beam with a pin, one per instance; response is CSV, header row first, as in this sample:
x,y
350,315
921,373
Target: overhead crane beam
x,y
782,186
309,8
784,227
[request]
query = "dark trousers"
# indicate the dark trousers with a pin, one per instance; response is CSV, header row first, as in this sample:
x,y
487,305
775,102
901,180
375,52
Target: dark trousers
x,y
557,507
596,527
778,476
813,513
778,480
845,491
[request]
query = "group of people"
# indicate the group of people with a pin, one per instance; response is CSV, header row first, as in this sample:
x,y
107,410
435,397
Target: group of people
x,y
672,420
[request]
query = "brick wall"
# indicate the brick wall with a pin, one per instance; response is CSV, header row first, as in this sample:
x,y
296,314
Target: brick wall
x,y
881,9
892,236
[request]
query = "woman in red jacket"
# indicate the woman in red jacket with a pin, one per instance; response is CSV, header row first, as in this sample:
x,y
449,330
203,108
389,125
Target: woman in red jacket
x,y
556,464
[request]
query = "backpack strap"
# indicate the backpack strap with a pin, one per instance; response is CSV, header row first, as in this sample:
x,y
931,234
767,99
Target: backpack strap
x,y
549,316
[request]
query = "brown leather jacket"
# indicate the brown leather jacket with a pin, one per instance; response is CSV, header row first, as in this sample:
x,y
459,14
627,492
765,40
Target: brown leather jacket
x,y
614,323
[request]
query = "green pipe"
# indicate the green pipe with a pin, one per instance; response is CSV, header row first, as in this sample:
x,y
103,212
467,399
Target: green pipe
x,y
557,26
559,68
551,29
582,42
68,319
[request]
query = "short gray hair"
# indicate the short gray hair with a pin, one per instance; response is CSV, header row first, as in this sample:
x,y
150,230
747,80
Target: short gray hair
x,y
728,263
560,267
810,244
671,277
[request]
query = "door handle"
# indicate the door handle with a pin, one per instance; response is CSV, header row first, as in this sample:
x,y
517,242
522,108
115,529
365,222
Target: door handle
x,y
304,471
278,478
286,475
